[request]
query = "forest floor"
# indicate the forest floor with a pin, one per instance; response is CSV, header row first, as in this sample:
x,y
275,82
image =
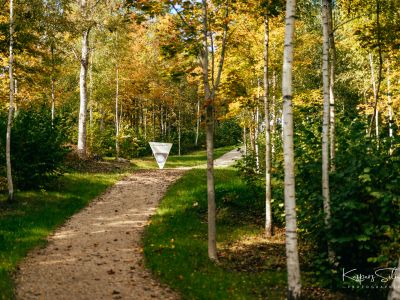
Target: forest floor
x,y
98,253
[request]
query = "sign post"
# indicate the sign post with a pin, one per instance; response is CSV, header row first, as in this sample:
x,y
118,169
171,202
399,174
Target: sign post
x,y
160,152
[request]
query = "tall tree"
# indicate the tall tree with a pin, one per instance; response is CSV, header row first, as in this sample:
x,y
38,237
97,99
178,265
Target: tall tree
x,y
11,106
326,117
268,210
292,254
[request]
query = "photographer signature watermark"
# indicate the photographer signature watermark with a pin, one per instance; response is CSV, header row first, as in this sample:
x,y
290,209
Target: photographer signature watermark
x,y
379,278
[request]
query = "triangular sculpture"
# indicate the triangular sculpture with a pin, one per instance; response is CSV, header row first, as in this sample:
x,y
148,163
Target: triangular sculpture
x,y
160,152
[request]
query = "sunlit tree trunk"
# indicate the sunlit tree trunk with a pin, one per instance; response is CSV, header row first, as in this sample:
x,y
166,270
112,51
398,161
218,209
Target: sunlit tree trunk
x,y
209,97
326,120
394,293
256,131
196,141
390,107
332,66
292,255
11,107
116,112
375,116
179,131
53,95
83,95
268,213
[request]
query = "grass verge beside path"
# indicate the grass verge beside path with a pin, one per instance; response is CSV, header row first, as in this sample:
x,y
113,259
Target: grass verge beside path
x,y
250,265
35,214
175,244
193,159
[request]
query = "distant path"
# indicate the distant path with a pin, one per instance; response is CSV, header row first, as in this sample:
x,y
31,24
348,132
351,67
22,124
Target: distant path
x,y
97,254
228,158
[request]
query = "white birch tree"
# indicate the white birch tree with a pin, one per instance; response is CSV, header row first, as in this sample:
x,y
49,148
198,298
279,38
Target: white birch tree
x,y
292,255
11,107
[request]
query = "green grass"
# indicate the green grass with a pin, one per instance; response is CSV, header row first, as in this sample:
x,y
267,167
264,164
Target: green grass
x,y
175,244
192,159
35,214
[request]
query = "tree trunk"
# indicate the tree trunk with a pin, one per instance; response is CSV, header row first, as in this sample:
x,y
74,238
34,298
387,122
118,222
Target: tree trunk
x,y
375,114
268,213
326,120
83,95
209,95
293,266
11,107
197,123
53,100
256,131
390,107
179,131
116,113
394,293
332,122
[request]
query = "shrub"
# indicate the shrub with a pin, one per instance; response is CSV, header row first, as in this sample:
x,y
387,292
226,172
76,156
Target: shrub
x,y
37,147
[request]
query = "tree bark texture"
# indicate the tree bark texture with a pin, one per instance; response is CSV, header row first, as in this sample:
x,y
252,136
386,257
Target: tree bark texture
x,y
293,266
11,107
83,95
268,210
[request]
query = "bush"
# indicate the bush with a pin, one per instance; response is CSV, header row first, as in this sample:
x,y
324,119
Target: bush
x,y
37,147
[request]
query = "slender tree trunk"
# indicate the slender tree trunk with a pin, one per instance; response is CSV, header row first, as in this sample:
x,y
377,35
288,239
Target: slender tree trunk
x,y
245,140
326,120
11,107
257,122
394,293
145,123
91,90
375,115
116,112
179,131
332,66
209,105
83,95
53,97
268,213
293,266
209,95
390,107
196,141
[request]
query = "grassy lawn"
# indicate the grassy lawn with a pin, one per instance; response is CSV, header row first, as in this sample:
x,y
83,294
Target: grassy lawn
x,y
193,159
175,244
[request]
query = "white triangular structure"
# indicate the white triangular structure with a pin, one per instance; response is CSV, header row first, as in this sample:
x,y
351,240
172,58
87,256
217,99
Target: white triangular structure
x,y
160,152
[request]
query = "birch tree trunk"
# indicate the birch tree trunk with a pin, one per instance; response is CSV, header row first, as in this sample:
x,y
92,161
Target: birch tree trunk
x,y
293,266
116,112
268,213
256,131
326,120
53,100
375,115
179,131
83,95
196,141
11,107
394,293
390,107
332,122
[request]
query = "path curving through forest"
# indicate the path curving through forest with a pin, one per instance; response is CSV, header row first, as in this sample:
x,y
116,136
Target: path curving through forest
x,y
97,253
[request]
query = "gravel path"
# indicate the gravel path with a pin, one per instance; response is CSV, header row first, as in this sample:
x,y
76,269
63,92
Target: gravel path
x,y
97,254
